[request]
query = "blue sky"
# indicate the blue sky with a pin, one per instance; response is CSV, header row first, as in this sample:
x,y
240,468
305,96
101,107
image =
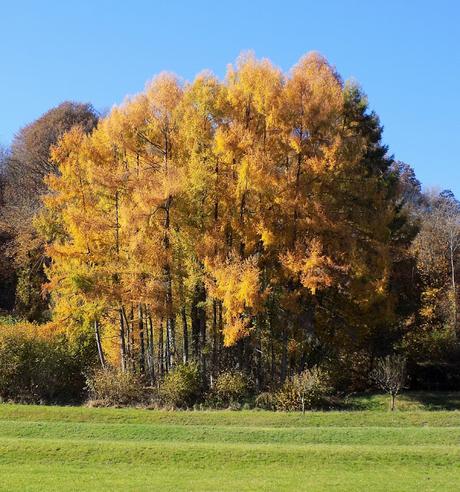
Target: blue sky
x,y
405,54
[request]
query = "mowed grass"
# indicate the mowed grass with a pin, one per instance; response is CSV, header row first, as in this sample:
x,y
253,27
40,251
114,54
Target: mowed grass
x,y
77,448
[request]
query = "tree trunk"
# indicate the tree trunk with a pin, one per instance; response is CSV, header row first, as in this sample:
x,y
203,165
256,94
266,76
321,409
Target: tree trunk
x,y
141,339
150,351
203,338
184,336
171,334
284,355
215,339
272,348
161,368
198,318
99,344
170,318
166,346
122,341
129,335
132,342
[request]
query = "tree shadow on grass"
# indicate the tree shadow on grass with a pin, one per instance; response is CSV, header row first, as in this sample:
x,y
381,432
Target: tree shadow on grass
x,y
435,400
406,401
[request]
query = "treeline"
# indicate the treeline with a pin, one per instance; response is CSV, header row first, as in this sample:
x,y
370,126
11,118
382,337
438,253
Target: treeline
x,y
255,226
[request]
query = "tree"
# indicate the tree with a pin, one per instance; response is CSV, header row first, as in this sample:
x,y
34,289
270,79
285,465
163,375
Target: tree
x,y
30,159
436,248
257,211
28,163
390,375
311,386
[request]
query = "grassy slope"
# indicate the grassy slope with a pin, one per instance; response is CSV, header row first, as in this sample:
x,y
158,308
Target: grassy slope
x,y
58,448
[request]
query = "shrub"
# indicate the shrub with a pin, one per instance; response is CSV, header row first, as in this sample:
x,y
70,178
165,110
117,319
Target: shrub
x,y
113,387
230,388
390,374
8,319
181,387
306,390
286,399
37,365
266,401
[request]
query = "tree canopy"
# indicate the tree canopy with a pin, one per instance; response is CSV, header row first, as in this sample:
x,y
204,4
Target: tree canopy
x,y
256,223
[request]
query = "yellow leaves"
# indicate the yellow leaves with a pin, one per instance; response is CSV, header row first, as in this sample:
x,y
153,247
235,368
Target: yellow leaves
x,y
243,176
164,94
224,183
296,143
255,87
202,106
329,161
313,98
266,235
428,311
220,144
381,286
429,299
235,329
34,331
312,267
248,288
236,283
68,146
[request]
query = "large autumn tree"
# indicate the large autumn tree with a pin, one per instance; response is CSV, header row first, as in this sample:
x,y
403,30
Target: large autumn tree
x,y
256,214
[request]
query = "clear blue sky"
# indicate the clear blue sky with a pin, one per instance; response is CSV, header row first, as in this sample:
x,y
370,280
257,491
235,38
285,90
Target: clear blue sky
x,y
405,53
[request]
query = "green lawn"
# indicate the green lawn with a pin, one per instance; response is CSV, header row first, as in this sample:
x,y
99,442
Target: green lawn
x,y
77,448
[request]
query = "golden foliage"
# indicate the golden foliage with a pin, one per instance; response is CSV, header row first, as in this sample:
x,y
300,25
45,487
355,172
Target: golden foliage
x,y
244,185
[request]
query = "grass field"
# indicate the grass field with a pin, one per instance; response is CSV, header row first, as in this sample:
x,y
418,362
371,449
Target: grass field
x,y
77,448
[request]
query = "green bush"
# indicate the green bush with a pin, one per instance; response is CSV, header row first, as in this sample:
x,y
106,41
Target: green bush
x,y
181,387
36,367
230,389
114,387
306,390
9,319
